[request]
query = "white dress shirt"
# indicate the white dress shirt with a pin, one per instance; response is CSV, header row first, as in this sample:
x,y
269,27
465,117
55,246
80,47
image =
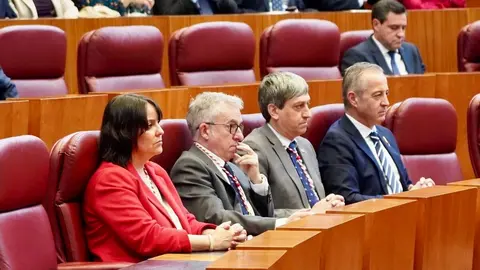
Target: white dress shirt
x,y
365,132
398,58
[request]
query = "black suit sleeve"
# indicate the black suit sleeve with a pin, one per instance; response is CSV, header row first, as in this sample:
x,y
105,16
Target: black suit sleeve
x,y
263,204
338,171
174,7
351,57
7,88
198,192
422,65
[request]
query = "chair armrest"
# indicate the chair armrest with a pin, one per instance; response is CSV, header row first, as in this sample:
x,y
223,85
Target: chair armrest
x,y
93,265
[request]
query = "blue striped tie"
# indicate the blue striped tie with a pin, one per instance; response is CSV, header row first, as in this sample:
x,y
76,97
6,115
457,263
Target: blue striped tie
x,y
395,186
395,69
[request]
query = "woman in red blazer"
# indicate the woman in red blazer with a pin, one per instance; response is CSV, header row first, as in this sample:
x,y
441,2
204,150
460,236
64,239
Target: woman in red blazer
x,y
131,208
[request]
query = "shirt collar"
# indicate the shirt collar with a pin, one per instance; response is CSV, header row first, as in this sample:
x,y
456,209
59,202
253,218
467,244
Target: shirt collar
x,y
364,130
283,140
216,159
380,46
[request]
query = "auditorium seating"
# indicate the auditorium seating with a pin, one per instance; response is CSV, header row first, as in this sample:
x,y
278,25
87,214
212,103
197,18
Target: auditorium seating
x,y
468,48
426,134
73,160
322,118
176,139
351,39
473,129
120,58
212,53
252,121
34,57
307,47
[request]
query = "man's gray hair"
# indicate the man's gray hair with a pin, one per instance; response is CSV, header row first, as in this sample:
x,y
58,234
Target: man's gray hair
x,y
353,79
206,106
277,88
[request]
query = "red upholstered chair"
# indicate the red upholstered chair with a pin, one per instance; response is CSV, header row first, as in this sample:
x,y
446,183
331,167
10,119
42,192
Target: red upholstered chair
x,y
306,47
176,139
322,118
34,56
73,160
351,39
473,131
426,133
468,48
232,47
251,122
120,58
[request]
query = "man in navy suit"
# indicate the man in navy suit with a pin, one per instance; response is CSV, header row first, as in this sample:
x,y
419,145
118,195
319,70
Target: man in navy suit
x,y
358,158
386,47
7,88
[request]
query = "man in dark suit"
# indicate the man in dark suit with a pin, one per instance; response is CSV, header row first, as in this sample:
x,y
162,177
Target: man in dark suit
x,y
358,158
206,7
7,88
213,188
287,159
386,47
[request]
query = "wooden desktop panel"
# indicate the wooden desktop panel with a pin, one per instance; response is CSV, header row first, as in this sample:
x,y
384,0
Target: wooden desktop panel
x,y
254,260
476,250
194,256
445,226
302,247
343,239
433,31
389,232
13,118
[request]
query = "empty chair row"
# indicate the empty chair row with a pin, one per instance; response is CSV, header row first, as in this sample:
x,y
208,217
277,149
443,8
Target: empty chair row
x,y
52,186
212,53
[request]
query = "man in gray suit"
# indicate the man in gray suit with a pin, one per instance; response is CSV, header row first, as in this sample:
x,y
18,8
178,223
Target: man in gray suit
x,y
214,189
288,160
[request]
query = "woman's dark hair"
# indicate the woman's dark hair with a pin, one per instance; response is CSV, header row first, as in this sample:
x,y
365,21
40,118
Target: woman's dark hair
x,y
124,119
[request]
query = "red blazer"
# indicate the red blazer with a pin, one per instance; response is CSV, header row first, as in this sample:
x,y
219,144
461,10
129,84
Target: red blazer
x,y
433,4
126,222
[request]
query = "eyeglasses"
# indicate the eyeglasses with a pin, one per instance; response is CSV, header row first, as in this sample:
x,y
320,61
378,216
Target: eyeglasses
x,y
232,128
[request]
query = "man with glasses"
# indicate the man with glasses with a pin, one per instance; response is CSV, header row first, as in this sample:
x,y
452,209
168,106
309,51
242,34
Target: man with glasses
x,y
287,159
218,178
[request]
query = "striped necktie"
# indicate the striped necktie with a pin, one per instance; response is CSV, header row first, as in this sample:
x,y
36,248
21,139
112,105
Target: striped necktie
x,y
395,70
381,152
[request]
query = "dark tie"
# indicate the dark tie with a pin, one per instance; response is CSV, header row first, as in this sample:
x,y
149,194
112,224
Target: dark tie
x,y
238,190
381,152
395,70
204,7
302,172
277,5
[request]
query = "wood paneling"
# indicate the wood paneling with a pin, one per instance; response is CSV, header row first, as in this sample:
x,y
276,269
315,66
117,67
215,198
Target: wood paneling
x,y
445,226
13,118
389,232
433,31
254,260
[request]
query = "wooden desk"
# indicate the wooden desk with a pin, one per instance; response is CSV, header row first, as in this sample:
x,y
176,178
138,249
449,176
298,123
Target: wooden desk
x,y
343,237
13,118
303,248
254,260
51,119
445,226
168,265
389,232
194,256
476,250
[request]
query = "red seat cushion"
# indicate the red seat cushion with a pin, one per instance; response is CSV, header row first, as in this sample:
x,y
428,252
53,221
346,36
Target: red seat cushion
x,y
350,39
251,122
468,48
426,133
120,58
473,132
322,118
307,47
233,50
34,56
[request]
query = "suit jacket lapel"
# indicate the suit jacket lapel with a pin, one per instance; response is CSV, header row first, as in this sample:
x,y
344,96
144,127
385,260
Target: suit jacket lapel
x,y
406,60
209,163
360,142
284,157
167,197
379,58
151,197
